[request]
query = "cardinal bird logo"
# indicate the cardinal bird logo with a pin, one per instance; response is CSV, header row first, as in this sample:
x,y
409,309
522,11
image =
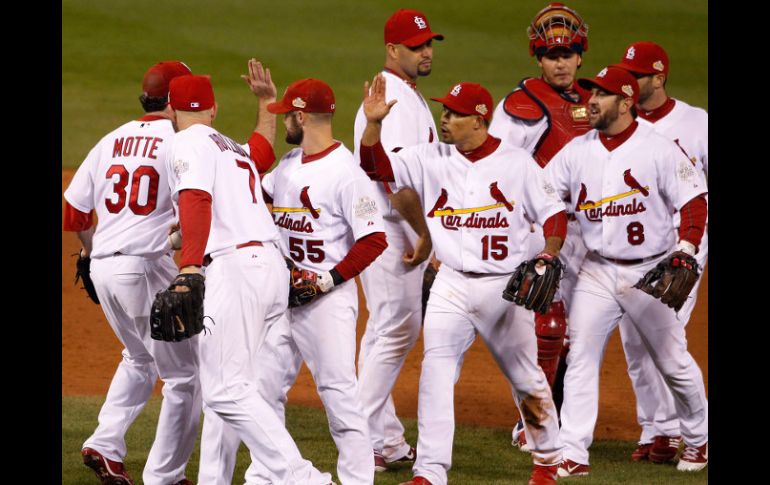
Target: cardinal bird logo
x,y
631,182
582,202
496,194
304,198
442,199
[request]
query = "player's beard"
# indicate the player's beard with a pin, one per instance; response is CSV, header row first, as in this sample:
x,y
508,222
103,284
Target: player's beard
x,y
294,133
645,93
424,71
604,120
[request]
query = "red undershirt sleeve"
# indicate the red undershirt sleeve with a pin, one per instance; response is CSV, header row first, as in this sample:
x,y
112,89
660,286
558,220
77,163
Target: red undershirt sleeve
x,y
77,221
261,152
361,255
556,226
195,223
693,224
375,162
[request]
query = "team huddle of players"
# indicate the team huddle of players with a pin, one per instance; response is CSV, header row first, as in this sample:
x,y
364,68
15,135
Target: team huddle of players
x,y
607,174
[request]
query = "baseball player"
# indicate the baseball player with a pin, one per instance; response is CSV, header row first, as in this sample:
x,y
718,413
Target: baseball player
x,y
480,195
688,127
541,115
624,180
122,181
226,225
330,226
392,285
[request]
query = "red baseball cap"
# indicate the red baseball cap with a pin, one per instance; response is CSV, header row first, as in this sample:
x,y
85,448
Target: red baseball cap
x,y
645,58
614,80
306,95
156,79
410,28
191,93
468,99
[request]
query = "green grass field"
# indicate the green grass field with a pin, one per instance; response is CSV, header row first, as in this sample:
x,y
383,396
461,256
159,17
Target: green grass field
x,y
107,46
481,455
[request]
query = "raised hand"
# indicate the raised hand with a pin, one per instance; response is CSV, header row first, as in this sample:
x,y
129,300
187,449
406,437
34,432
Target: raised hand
x,y
375,107
259,80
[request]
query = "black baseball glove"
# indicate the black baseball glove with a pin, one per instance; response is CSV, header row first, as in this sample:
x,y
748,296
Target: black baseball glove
x,y
83,272
178,315
427,283
303,287
672,279
534,283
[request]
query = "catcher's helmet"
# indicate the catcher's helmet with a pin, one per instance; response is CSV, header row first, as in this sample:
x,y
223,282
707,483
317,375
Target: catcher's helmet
x,y
557,26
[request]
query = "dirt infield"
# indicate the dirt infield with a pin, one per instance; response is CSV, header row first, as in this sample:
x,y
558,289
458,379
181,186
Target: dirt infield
x,y
90,353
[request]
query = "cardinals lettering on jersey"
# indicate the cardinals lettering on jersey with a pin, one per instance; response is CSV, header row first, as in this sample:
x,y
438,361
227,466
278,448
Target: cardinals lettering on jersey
x,y
594,210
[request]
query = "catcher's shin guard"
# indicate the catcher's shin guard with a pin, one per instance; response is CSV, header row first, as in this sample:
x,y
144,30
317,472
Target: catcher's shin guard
x,y
550,329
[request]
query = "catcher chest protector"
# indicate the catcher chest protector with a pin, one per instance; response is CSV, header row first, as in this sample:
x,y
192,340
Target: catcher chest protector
x,y
566,119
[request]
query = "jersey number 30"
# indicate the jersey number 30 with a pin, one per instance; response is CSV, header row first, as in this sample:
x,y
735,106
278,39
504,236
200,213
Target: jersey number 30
x,y
147,172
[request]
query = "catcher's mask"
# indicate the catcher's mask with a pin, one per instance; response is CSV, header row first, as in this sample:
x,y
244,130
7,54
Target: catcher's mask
x,y
557,26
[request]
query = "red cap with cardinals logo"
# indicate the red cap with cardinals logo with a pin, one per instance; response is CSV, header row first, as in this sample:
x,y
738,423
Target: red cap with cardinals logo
x,y
306,95
645,58
410,28
158,77
468,99
191,93
614,80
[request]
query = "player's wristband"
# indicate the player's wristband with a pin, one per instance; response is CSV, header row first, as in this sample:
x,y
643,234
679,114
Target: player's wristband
x,y
325,281
686,247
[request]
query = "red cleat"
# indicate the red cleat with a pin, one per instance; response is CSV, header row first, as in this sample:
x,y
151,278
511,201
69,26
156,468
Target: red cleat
x,y
569,468
642,452
543,475
694,458
665,448
417,481
109,472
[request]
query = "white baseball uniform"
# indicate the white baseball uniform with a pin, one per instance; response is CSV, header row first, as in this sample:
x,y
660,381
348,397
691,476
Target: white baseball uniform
x,y
123,179
480,241
655,409
392,288
246,293
624,199
321,207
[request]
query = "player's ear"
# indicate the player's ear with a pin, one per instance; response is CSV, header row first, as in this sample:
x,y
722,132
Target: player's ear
x,y
214,112
580,60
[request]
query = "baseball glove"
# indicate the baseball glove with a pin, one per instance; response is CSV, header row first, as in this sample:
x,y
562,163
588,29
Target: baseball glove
x,y
83,272
178,315
672,279
303,285
427,283
534,283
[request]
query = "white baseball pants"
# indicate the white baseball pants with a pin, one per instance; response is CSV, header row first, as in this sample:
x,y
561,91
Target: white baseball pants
x,y
247,292
393,297
460,306
126,286
602,296
655,409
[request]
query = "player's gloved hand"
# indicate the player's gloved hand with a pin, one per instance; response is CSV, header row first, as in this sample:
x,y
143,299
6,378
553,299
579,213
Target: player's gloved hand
x,y
83,272
177,312
672,279
305,285
534,283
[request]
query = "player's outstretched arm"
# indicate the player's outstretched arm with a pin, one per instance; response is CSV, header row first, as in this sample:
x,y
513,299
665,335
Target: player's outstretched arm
x,y
261,84
375,109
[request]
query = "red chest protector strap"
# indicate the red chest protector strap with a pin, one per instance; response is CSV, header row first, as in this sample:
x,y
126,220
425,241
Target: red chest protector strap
x,y
566,118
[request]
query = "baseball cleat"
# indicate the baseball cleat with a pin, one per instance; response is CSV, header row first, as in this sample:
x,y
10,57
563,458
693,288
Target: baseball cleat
x,y
109,472
642,452
665,448
380,465
519,438
569,468
184,481
411,455
543,475
417,481
694,458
